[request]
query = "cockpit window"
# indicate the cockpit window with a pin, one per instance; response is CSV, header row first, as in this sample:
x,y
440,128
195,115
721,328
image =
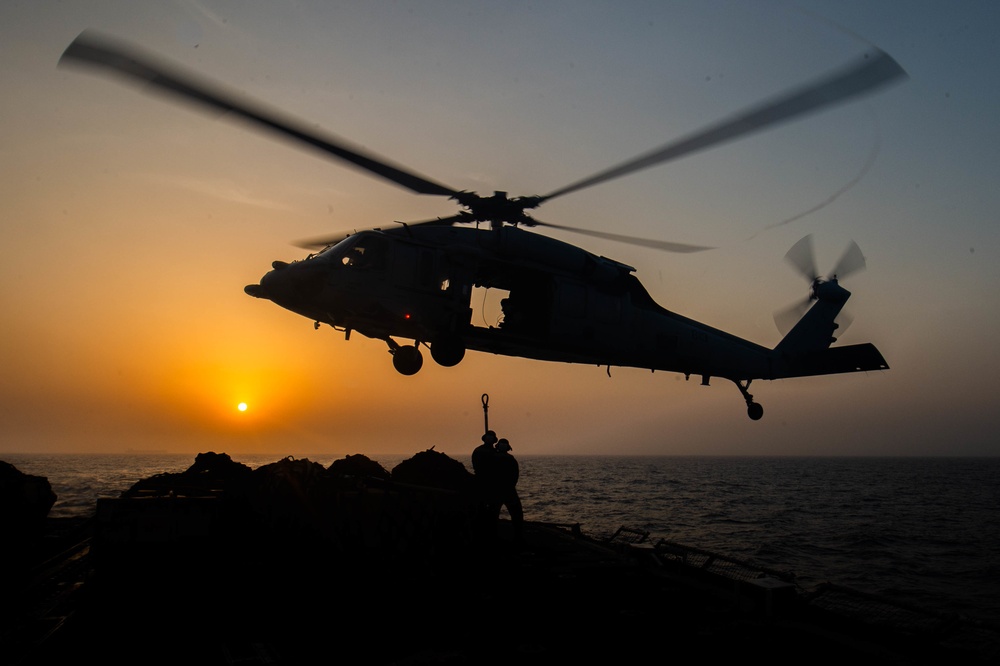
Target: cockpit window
x,y
360,251
368,253
335,249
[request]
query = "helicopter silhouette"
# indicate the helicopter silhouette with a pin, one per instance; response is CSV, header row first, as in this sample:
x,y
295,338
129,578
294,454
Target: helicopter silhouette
x,y
561,303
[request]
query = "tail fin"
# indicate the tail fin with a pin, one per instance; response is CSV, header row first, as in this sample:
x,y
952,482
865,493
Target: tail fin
x,y
806,351
815,330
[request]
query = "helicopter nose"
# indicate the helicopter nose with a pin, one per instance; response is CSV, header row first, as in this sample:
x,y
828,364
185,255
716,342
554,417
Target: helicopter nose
x,y
287,284
270,285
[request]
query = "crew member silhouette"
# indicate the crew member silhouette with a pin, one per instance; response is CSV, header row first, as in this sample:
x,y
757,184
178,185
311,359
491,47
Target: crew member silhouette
x,y
484,455
485,461
508,472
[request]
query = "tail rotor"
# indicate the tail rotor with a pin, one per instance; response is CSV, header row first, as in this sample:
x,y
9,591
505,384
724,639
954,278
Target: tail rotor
x,y
802,258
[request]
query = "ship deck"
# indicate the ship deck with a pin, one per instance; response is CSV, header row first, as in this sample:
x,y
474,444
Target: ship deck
x,y
557,596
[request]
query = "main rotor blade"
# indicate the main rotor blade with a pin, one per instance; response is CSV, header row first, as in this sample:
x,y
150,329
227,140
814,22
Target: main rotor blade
x,y
877,69
129,62
632,240
319,242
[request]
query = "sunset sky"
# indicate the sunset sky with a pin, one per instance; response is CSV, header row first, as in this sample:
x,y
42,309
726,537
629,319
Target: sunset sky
x,y
131,223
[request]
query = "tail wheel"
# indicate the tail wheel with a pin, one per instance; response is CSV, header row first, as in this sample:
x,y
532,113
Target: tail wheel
x,y
407,360
754,410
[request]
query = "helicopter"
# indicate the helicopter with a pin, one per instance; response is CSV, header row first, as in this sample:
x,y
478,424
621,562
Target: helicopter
x,y
561,303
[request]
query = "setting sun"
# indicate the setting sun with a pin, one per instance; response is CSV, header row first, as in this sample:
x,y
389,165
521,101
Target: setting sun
x,y
242,406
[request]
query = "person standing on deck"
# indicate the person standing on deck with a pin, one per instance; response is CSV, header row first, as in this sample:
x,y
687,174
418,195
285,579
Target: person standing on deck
x,y
484,466
484,455
508,472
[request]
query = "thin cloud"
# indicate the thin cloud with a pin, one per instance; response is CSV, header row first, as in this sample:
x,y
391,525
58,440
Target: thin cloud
x,y
224,190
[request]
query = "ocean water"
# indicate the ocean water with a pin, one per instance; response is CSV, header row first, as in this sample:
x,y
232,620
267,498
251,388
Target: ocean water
x,y
922,531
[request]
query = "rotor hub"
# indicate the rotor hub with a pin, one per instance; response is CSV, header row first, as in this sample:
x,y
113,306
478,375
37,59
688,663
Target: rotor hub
x,y
498,209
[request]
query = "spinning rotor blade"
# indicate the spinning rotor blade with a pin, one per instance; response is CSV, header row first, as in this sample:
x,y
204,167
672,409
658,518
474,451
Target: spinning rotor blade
x,y
851,262
91,49
631,240
322,241
319,242
802,257
844,321
877,69
787,318
133,65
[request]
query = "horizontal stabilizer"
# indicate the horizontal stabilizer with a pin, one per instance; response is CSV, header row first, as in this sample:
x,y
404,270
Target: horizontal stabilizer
x,y
832,361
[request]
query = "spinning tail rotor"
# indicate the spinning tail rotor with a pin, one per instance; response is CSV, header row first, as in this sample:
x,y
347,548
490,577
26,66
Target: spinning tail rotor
x,y
802,258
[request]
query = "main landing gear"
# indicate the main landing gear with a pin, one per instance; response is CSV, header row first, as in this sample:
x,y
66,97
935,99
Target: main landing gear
x,y
754,410
407,359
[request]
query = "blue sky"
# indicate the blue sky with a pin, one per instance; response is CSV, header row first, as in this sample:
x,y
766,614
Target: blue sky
x,y
131,224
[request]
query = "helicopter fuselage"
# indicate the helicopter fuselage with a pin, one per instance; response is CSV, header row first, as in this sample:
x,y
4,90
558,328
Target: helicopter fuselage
x,y
559,303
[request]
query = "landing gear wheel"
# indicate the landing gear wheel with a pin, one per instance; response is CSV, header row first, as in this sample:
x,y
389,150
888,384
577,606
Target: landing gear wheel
x,y
447,351
754,410
407,359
